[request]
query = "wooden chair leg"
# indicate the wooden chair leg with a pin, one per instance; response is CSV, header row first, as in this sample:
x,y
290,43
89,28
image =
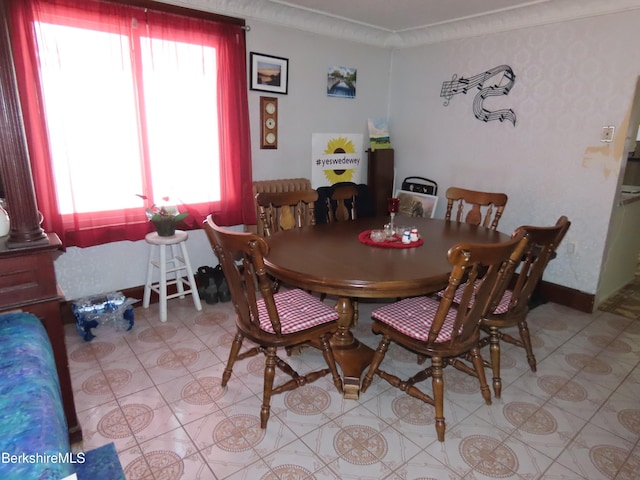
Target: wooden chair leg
x,y
476,359
526,341
494,350
375,362
233,355
437,383
269,375
331,361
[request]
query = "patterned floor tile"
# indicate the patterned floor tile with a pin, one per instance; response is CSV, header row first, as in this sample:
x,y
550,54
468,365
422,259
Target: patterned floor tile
x,y
596,453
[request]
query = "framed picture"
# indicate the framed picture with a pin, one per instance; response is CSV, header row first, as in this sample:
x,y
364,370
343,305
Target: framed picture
x,y
268,73
341,82
415,204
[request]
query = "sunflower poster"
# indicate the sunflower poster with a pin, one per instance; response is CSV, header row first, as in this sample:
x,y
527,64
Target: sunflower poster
x,y
337,157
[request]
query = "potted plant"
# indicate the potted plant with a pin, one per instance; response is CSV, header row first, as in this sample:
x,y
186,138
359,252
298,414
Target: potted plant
x,y
164,218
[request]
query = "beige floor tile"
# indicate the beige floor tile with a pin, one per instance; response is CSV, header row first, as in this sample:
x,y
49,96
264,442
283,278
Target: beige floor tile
x,y
581,397
596,453
620,415
547,428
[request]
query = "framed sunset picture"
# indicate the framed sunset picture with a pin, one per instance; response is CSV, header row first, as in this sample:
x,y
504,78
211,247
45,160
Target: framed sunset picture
x,y
269,73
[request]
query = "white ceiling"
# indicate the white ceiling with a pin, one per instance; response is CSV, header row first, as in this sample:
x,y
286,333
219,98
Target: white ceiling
x,y
403,15
406,23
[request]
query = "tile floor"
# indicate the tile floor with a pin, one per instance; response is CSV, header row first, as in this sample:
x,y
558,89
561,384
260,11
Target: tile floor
x,y
155,392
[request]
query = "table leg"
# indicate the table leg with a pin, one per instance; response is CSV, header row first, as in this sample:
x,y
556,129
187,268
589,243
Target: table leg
x,y
352,356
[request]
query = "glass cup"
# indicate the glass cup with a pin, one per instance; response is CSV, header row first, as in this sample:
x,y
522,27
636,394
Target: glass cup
x,y
378,236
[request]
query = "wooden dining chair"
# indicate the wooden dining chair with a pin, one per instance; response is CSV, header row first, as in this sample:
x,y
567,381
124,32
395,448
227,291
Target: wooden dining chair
x,y
341,205
443,330
476,208
513,307
270,320
285,210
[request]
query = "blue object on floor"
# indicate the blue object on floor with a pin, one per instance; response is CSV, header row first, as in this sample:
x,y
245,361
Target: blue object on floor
x,y
101,463
112,308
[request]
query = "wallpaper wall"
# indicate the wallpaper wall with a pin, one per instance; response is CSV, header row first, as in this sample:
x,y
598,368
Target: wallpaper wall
x,y
572,79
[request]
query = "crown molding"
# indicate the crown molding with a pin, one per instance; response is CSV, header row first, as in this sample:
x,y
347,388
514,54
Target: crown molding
x,y
530,16
553,11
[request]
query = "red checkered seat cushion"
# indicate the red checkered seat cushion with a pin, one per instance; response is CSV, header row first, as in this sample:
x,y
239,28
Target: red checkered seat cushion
x,y
413,317
503,304
298,311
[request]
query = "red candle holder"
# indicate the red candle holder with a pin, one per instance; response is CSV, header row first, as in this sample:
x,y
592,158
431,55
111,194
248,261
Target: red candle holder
x,y
393,205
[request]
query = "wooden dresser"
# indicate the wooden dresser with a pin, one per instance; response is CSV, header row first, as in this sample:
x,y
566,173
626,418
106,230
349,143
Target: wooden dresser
x,y
28,283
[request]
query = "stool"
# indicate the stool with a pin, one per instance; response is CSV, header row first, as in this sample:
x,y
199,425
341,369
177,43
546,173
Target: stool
x,y
176,263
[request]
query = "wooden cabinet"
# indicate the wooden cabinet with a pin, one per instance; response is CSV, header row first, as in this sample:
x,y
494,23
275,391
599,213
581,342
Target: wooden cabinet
x,y
380,178
28,283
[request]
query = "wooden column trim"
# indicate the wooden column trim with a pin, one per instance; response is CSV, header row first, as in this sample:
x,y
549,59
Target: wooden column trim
x,y
15,167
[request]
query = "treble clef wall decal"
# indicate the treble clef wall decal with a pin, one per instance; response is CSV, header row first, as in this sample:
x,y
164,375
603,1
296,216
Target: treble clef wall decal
x,y
462,85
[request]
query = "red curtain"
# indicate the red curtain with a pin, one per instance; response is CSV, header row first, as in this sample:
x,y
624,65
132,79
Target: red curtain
x,y
130,223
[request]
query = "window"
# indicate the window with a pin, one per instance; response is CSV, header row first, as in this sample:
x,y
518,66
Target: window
x,y
134,102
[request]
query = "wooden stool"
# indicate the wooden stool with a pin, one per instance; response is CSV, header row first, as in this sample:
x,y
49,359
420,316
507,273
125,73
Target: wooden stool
x,y
176,263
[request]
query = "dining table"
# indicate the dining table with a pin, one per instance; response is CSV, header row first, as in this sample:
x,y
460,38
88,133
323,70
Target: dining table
x,y
339,259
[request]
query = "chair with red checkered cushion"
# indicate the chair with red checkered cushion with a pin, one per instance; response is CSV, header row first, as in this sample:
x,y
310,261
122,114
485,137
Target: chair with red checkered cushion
x,y
278,211
513,308
271,320
442,330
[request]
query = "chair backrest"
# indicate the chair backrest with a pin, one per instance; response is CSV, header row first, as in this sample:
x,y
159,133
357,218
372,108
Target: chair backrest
x,y
241,256
492,203
341,206
277,185
285,210
364,203
482,272
542,247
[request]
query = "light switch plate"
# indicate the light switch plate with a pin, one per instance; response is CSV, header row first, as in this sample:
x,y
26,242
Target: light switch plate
x,y
607,134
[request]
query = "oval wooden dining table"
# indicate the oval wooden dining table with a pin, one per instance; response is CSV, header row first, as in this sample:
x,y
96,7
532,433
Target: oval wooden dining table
x,y
330,259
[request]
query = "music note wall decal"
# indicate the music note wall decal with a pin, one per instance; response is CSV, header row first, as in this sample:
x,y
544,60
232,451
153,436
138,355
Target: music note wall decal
x,y
462,85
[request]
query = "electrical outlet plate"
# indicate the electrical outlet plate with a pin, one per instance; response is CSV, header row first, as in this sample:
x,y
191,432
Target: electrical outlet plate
x,y
607,134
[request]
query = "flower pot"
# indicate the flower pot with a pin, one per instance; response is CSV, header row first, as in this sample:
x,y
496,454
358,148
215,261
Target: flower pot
x,y
165,228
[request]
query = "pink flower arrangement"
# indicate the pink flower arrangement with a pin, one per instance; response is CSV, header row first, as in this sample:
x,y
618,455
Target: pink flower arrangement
x,y
156,214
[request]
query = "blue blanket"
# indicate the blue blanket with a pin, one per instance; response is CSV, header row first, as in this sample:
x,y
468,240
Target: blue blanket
x,y
34,441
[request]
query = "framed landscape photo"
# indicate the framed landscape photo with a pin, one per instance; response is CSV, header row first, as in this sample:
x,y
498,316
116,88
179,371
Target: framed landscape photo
x,y
341,82
269,73
414,204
